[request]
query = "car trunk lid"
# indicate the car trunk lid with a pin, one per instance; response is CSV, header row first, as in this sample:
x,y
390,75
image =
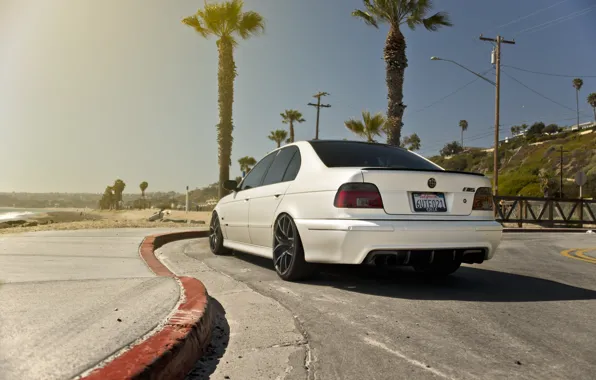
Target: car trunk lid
x,y
425,192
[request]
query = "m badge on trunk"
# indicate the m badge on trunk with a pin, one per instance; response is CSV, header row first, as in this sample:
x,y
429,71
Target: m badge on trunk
x,y
432,183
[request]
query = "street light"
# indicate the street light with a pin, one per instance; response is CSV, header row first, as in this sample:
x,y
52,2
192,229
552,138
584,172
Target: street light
x,y
465,68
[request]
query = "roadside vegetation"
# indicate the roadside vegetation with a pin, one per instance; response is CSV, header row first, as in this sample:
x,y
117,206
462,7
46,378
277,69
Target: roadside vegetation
x,y
530,164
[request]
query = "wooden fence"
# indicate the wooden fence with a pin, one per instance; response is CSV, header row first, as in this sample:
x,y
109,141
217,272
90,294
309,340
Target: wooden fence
x,y
547,212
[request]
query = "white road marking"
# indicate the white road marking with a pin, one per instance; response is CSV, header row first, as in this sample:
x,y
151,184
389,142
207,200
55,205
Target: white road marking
x,y
415,362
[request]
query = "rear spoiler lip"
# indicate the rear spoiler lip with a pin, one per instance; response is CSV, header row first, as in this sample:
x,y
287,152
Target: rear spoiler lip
x,y
426,170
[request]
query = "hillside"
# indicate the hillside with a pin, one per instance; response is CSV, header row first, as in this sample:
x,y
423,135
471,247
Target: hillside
x,y
521,159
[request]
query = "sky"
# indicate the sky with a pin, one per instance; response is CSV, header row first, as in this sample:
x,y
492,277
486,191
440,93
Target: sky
x,y
91,91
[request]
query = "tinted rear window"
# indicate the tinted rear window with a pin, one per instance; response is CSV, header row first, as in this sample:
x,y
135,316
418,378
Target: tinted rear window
x,y
335,154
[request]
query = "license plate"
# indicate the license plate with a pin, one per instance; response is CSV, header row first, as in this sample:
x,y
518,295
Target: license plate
x,y
429,202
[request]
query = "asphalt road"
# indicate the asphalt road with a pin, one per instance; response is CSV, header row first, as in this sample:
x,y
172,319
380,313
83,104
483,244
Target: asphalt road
x,y
530,313
69,299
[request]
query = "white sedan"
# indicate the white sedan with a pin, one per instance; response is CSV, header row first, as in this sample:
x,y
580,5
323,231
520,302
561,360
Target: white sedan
x,y
347,202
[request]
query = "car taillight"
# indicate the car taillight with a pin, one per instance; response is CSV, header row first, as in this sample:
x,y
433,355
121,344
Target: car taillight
x,y
358,195
483,199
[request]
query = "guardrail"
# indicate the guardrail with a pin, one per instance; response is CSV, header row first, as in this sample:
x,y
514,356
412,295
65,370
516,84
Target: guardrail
x,y
548,212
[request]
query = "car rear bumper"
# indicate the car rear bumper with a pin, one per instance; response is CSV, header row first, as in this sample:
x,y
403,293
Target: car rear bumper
x,y
347,241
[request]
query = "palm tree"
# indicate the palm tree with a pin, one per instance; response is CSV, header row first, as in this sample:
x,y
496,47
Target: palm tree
x,y
577,84
278,136
118,188
290,117
368,127
546,179
396,13
144,185
246,163
592,101
412,142
227,22
463,124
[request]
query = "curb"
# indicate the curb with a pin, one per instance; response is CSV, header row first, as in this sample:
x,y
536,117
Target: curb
x,y
546,230
172,351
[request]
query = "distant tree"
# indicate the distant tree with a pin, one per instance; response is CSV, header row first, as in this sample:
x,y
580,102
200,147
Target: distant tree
x,y
577,84
369,127
246,163
551,128
592,101
537,129
463,124
278,136
546,179
515,130
524,127
144,185
290,117
451,148
107,199
118,188
412,142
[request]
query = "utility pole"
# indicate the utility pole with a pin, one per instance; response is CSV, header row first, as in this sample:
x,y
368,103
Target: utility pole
x,y
497,61
319,105
187,220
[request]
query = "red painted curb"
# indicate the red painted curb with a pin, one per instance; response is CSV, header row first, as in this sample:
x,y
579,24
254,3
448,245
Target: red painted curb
x,y
173,351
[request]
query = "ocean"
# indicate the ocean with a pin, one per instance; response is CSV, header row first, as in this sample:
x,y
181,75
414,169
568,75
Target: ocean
x,y
16,213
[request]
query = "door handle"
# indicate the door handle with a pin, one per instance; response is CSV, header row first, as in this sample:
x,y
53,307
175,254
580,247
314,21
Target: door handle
x,y
246,199
277,195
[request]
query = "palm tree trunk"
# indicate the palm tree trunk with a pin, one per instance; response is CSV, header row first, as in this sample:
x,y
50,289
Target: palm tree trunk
x,y
278,143
291,131
577,104
396,63
225,81
462,137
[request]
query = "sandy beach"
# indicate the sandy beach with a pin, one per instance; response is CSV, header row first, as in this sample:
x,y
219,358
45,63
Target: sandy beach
x,y
76,219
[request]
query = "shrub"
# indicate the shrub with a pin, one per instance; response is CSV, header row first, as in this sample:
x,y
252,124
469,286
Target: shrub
x,y
531,190
512,183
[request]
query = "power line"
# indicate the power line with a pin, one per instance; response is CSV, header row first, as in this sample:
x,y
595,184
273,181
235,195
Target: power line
x,y
550,74
531,14
539,94
448,95
556,21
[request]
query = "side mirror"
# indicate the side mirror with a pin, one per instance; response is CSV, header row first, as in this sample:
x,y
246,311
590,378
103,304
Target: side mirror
x,y
230,185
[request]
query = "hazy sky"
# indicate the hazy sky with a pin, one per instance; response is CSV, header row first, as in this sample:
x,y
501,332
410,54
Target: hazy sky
x,y
91,91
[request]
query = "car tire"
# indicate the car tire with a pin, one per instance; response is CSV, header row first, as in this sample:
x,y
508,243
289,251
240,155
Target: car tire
x,y
438,270
288,252
216,238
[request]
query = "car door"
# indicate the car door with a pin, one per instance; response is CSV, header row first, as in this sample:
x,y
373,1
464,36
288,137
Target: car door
x,y
235,218
263,205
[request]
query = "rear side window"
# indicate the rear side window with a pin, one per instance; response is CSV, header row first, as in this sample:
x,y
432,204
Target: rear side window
x,y
293,168
336,154
255,176
279,166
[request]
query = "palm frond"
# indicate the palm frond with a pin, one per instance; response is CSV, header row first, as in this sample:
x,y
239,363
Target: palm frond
x,y
366,17
194,22
355,126
377,123
578,83
250,24
434,22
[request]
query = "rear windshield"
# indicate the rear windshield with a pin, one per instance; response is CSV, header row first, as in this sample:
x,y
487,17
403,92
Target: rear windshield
x,y
336,154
